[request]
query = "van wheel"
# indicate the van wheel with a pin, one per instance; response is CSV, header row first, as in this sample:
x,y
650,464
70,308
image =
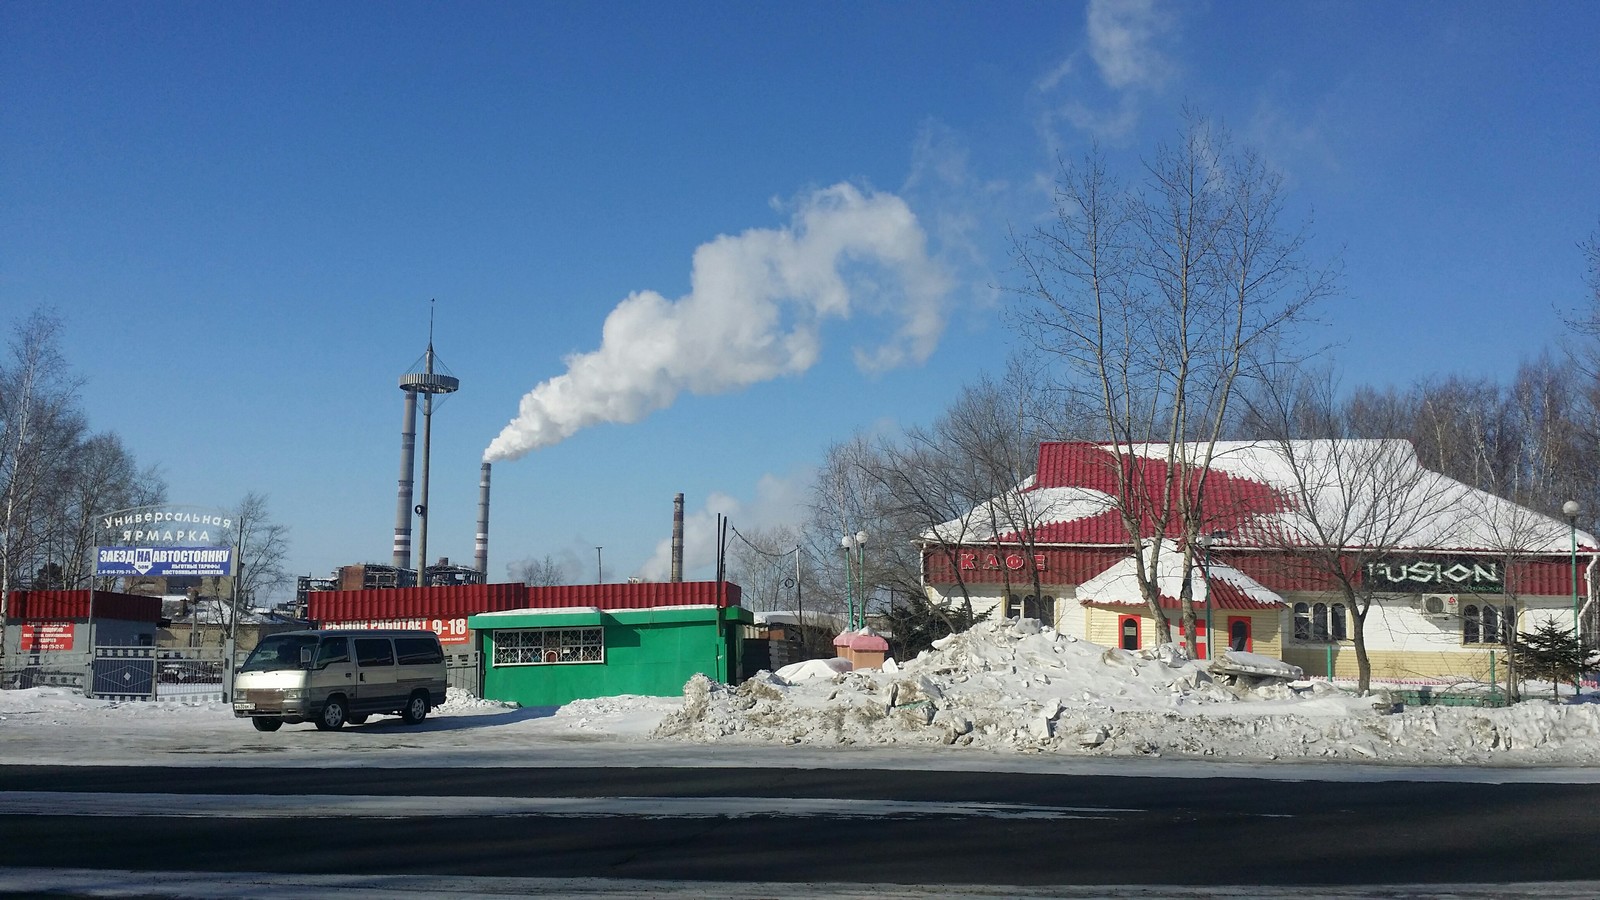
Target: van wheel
x,y
416,708
333,714
266,723
356,718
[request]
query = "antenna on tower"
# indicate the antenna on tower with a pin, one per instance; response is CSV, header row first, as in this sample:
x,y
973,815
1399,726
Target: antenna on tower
x,y
427,383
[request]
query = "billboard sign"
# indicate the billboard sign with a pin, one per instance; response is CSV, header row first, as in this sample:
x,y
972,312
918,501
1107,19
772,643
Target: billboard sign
x,y
1447,574
216,561
167,525
46,637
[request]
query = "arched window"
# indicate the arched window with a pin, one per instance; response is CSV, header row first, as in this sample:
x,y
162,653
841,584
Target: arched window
x,y
1302,622
1128,629
1239,635
1469,625
1338,623
1031,607
1319,622
1491,624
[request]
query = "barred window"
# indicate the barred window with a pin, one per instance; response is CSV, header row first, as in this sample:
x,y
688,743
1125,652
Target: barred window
x,y
545,646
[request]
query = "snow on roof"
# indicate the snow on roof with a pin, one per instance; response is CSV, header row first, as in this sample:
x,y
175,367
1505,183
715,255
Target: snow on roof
x,y
537,609
1378,489
1348,493
999,517
1230,588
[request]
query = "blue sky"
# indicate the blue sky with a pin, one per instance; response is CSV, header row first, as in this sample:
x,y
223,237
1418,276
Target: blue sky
x,y
242,211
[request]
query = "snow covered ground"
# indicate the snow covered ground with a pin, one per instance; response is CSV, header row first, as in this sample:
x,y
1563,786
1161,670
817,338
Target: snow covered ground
x,y
1004,696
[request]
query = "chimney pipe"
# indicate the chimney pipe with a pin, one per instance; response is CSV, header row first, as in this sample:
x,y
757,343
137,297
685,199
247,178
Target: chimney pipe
x,y
402,516
480,559
677,538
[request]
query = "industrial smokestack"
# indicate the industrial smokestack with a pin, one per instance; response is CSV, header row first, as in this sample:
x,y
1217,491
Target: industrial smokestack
x,y
677,538
408,450
480,559
427,382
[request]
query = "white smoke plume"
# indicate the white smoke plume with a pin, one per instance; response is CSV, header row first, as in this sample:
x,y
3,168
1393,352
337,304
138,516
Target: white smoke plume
x,y
754,312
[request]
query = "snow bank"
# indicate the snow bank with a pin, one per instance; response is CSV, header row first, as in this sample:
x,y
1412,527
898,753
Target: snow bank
x,y
1013,686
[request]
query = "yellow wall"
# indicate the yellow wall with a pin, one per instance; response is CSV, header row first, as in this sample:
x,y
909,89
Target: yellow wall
x,y
1265,638
1398,664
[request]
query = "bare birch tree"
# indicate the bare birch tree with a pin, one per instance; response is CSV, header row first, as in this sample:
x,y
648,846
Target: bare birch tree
x,y
39,422
1155,301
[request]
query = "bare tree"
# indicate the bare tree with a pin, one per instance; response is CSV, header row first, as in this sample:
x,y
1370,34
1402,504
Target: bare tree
x,y
39,421
546,571
1353,503
99,476
848,499
1156,302
262,547
769,565
960,484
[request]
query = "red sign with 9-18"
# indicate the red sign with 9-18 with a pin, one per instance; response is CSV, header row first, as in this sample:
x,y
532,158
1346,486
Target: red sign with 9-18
x,y
450,631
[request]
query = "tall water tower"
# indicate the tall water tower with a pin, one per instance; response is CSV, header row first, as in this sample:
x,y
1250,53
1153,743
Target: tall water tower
x,y
427,383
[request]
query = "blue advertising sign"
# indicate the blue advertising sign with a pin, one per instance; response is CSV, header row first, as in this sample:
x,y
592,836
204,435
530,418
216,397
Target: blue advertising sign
x,y
163,561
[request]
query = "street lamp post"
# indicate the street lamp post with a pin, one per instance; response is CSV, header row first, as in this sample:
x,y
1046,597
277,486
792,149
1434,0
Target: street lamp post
x,y
1570,509
1206,540
855,553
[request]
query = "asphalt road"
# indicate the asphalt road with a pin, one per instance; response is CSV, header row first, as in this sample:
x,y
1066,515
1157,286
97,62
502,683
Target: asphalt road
x,y
797,825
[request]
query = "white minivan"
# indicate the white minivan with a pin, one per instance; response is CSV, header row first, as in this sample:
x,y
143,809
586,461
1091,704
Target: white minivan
x,y
335,676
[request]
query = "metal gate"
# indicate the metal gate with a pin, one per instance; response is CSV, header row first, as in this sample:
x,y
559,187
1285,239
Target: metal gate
x,y
158,673
461,671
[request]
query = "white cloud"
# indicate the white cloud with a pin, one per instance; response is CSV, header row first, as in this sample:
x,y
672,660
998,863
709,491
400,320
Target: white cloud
x,y
754,312
1124,38
1129,42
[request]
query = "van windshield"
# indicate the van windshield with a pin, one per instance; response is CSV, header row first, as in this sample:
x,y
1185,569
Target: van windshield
x,y
281,651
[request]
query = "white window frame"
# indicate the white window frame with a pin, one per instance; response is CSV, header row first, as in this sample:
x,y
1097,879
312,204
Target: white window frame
x,y
533,646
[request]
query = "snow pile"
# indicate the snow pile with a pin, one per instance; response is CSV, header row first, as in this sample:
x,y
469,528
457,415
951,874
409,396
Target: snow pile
x,y
812,669
1013,686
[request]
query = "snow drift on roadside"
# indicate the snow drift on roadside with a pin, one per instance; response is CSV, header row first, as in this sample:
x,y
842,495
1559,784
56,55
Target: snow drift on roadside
x,y
1012,686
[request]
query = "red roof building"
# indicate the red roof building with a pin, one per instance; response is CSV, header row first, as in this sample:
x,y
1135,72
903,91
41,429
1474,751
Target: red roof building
x,y
1450,570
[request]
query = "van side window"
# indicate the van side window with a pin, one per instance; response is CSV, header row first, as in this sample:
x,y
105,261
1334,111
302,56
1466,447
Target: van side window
x,y
333,650
374,652
418,651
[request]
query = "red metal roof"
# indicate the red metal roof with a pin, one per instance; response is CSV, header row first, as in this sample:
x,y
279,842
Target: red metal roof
x,y
443,602
458,600
634,596
1229,499
42,606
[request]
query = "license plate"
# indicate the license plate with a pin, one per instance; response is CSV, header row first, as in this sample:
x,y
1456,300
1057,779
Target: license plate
x,y
243,704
